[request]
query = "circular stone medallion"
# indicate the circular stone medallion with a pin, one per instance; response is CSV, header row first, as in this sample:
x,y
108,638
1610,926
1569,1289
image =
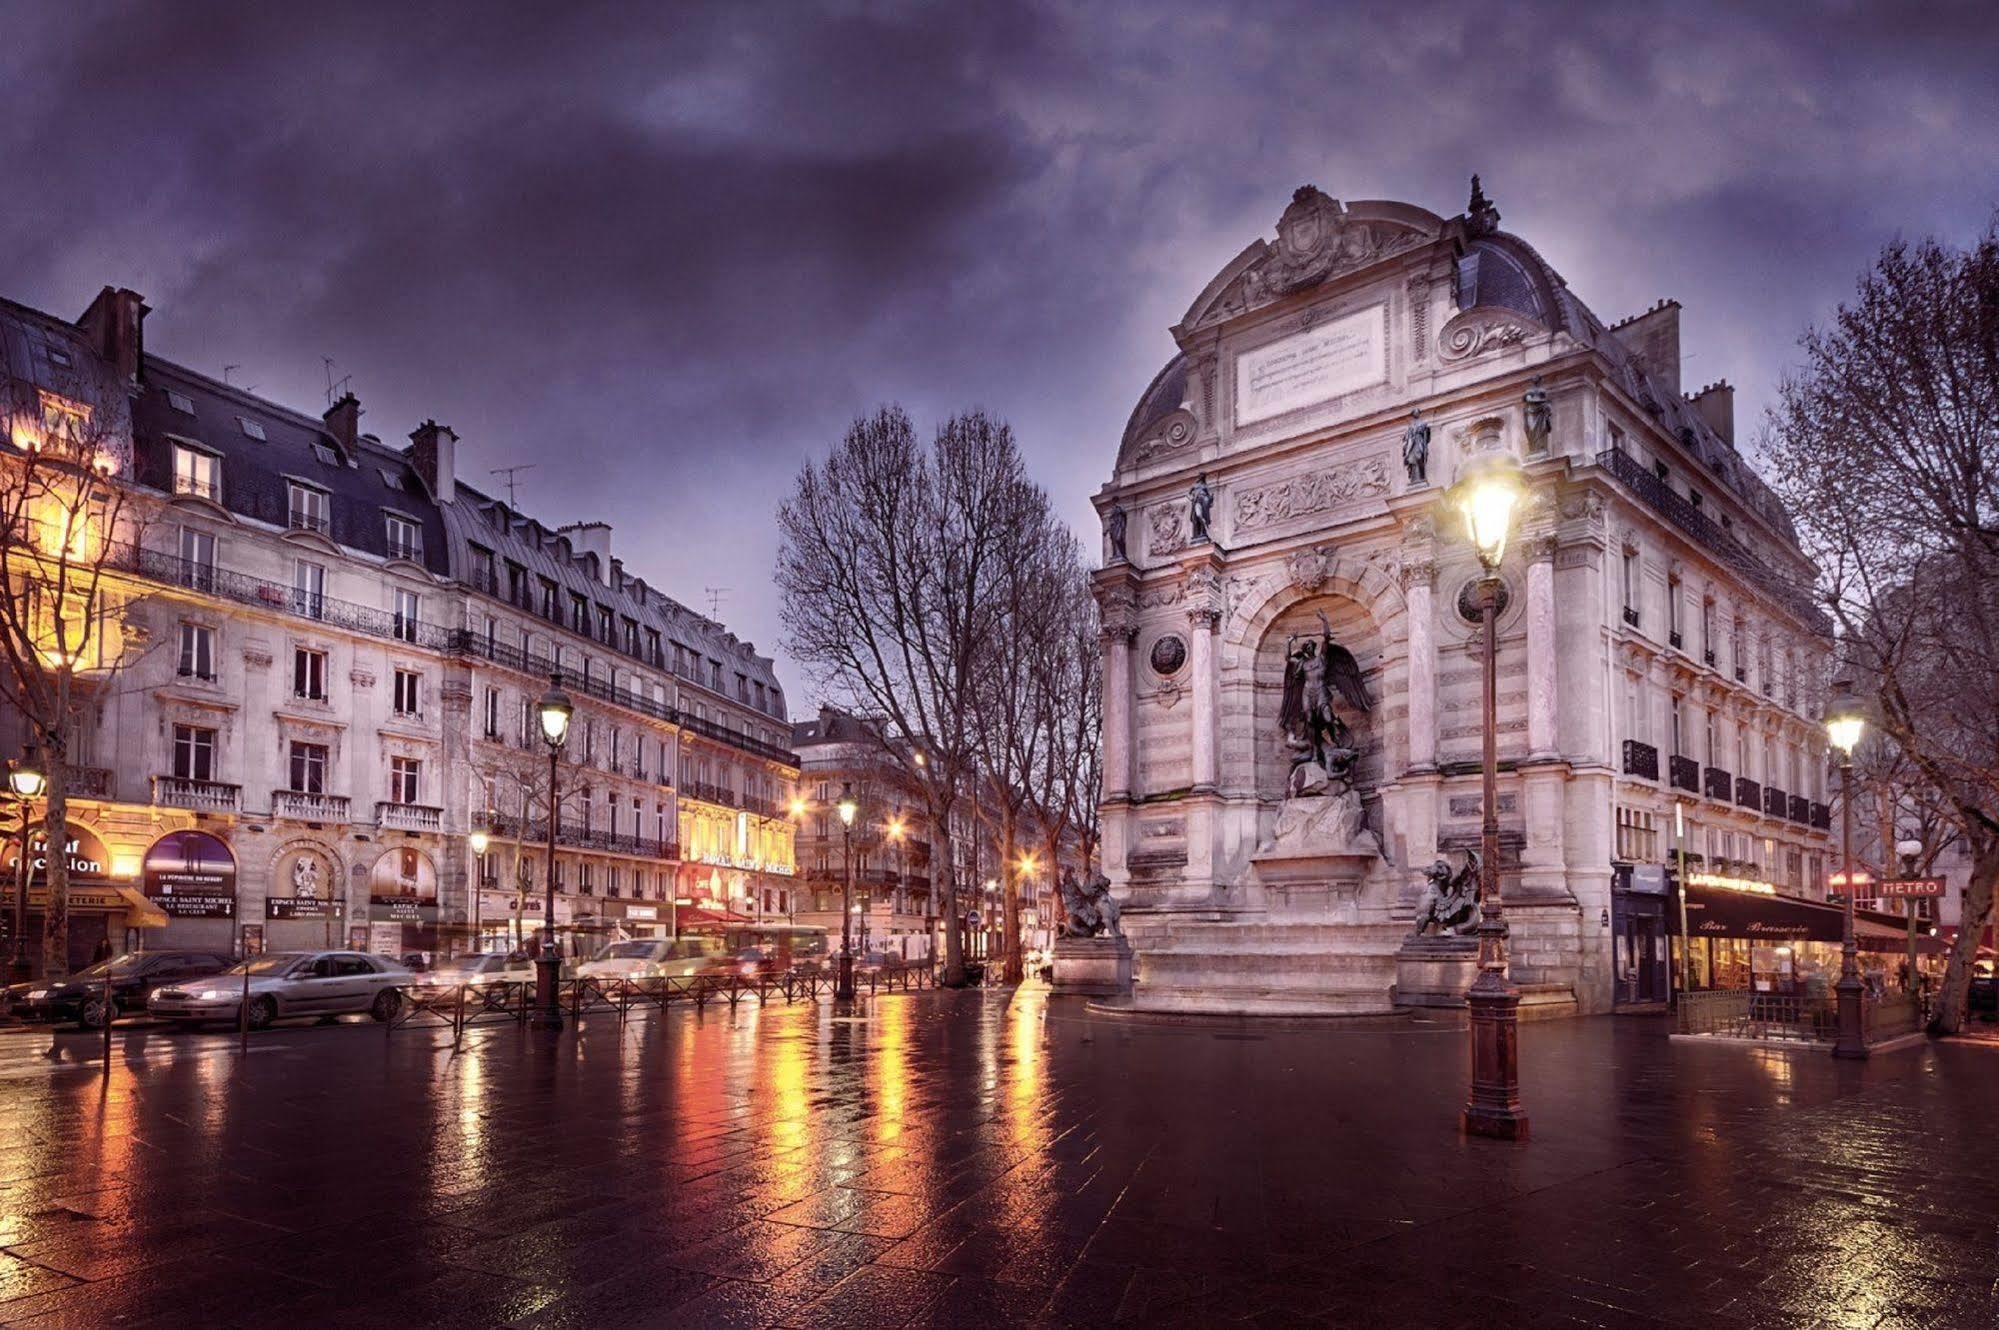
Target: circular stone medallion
x,y
1169,653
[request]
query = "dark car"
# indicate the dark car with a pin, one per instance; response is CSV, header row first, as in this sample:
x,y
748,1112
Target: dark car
x,y
134,976
1983,999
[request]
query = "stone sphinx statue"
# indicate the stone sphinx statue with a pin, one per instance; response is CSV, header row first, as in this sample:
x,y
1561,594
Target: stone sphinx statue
x,y
1091,909
1450,900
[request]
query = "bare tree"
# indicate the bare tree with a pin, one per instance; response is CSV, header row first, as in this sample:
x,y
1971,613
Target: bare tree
x,y
888,561
67,607
1887,442
513,802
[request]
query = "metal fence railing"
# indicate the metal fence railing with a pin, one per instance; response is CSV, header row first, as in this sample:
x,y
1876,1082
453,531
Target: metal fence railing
x,y
1738,1013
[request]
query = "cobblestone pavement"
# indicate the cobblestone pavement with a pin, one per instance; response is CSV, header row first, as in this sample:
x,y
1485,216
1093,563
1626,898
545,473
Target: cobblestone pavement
x,y
988,1159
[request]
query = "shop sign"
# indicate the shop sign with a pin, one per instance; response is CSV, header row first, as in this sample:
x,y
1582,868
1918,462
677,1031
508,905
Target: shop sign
x,y
302,907
642,913
1836,883
402,888
1911,886
191,875
81,848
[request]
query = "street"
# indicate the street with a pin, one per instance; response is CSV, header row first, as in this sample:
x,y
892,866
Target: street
x,y
988,1158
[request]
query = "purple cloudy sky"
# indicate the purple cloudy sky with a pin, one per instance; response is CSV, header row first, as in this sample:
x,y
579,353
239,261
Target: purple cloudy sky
x,y
666,252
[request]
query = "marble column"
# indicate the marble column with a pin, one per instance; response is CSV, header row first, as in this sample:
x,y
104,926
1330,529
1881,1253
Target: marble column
x,y
1118,635
1418,586
1542,682
1201,623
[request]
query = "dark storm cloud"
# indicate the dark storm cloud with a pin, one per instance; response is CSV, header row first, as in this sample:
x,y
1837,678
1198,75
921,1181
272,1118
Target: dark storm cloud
x,y
667,251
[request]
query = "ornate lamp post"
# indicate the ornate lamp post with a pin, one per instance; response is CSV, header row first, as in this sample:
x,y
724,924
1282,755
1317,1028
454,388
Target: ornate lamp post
x,y
554,709
1845,722
479,841
847,808
1488,491
1910,850
26,782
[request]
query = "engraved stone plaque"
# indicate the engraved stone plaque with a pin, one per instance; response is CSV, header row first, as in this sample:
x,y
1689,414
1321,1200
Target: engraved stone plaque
x,y
1312,366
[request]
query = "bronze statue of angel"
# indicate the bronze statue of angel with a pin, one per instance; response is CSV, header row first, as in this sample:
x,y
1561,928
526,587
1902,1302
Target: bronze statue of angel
x,y
1315,669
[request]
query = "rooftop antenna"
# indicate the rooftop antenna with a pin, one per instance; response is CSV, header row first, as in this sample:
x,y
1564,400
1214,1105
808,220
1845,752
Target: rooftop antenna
x,y
329,379
715,595
507,476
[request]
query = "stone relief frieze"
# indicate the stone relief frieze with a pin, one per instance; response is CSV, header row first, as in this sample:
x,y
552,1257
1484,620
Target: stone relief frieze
x,y
1308,568
1314,492
1316,241
1478,332
1158,597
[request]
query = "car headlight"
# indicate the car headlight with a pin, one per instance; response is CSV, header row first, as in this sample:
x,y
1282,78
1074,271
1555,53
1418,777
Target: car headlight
x,y
36,995
212,994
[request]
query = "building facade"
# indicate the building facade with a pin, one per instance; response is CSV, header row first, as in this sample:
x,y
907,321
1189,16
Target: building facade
x,y
1282,480
336,646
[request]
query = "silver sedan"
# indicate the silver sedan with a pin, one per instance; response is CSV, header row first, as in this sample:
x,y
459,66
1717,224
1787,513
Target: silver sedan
x,y
285,984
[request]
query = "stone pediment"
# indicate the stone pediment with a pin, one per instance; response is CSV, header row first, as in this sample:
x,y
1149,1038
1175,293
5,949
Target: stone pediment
x,y
1318,240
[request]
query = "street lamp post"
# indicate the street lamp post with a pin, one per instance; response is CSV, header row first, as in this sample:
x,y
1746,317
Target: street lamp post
x,y
554,709
847,809
1845,721
26,781
479,841
1488,491
1910,850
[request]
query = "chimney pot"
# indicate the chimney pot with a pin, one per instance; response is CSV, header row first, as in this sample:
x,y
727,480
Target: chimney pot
x,y
434,454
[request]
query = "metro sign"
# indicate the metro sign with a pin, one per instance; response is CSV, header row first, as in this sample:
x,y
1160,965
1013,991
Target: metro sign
x,y
1912,886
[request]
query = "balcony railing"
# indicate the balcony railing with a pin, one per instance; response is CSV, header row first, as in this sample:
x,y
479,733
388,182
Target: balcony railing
x,y
392,816
1718,784
1775,801
1800,809
1631,616
90,782
1821,816
279,598
570,835
200,796
1748,794
1710,534
1641,760
304,806
1683,773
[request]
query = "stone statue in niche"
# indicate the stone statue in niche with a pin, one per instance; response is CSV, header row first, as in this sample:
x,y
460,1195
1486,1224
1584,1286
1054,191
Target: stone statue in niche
x,y
1450,900
1321,745
1114,529
1200,507
1416,448
1540,417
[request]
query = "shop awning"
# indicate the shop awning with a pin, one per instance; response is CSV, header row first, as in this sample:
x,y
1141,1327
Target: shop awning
x,y
140,912
698,916
1721,912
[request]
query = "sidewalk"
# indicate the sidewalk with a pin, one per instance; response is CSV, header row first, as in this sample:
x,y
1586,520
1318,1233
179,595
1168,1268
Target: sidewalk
x,y
992,1159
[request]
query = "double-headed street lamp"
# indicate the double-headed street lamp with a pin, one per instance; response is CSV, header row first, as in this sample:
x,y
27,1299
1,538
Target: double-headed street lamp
x,y
1845,722
847,809
26,782
554,710
1488,491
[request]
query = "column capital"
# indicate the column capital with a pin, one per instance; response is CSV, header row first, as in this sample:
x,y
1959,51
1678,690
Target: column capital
x,y
1206,617
1541,546
1419,573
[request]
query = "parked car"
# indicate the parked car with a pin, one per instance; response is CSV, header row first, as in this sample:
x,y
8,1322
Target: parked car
x,y
477,968
134,976
1983,999
284,984
656,958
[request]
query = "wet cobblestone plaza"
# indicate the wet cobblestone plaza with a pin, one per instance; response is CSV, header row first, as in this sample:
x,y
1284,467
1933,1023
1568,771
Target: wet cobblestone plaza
x,y
987,1159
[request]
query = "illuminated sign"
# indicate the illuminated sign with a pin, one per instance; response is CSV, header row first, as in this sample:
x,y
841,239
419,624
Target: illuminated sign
x,y
1911,886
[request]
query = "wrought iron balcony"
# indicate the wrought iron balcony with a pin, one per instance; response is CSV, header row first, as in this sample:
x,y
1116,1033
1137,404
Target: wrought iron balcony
x,y
1748,793
200,796
1683,773
1631,616
305,806
1718,784
391,816
1821,816
90,782
1676,639
1775,801
570,835
1710,534
277,597
1641,760
1801,808
1707,657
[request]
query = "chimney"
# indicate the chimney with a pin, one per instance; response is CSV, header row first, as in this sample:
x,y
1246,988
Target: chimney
x,y
343,422
115,324
592,538
1653,339
1715,404
434,454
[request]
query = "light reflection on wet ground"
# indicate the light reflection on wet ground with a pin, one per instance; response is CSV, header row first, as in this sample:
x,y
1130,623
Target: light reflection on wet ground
x,y
988,1159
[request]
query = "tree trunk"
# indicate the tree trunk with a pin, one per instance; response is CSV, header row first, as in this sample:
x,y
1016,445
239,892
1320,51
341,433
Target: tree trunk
x,y
1010,898
944,874
1974,913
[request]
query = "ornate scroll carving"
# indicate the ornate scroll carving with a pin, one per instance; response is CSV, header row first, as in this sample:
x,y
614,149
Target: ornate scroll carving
x,y
1477,332
1314,492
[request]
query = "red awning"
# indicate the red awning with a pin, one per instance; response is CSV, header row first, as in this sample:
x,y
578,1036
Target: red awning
x,y
694,917
1721,912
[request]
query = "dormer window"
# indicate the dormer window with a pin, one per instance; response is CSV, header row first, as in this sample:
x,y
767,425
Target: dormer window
x,y
180,402
405,537
253,429
197,472
311,508
325,454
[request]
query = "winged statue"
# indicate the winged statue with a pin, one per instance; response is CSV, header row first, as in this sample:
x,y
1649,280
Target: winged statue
x,y
1450,901
1316,669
